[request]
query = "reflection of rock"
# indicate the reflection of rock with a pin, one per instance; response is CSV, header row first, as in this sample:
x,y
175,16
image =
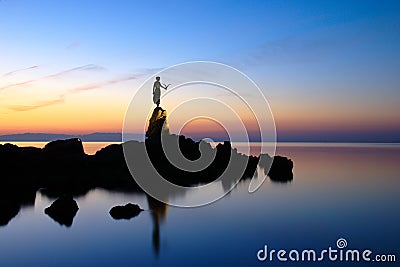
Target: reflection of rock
x,y
18,182
63,210
158,213
125,212
8,210
11,201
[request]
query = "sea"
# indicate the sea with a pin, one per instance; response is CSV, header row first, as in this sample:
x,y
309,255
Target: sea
x,y
343,202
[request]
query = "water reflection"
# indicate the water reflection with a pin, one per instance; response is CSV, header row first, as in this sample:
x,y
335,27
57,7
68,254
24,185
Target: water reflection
x,y
11,202
340,187
159,212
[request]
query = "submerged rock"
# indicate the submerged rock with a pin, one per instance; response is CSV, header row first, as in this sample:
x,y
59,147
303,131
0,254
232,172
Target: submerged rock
x,y
125,212
63,210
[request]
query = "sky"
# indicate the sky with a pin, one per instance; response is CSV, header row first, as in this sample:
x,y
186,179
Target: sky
x,y
330,70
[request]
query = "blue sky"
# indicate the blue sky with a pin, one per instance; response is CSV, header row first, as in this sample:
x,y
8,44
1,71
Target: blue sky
x,y
323,65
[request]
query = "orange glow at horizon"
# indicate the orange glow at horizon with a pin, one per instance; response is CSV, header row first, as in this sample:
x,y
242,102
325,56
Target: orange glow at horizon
x,y
204,128
82,113
103,110
102,116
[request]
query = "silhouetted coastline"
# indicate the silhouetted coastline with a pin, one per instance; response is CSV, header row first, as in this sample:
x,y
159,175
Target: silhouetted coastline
x,y
62,167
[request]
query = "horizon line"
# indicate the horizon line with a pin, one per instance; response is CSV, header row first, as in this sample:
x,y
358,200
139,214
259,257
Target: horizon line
x,y
117,137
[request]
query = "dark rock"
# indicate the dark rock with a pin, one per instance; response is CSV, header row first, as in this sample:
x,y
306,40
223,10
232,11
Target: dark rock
x,y
63,210
109,168
281,170
73,172
18,165
64,148
125,212
11,201
62,167
65,167
8,210
157,123
278,168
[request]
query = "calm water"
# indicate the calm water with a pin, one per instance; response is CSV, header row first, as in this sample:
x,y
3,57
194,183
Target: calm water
x,y
341,190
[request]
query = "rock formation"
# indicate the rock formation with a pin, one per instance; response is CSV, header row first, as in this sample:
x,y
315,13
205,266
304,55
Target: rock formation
x,y
63,210
125,212
158,124
62,167
278,168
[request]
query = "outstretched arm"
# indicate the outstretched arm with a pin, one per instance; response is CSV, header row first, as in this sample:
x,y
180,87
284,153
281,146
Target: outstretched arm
x,y
165,86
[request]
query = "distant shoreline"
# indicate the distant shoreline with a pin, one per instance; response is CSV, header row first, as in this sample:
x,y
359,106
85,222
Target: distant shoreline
x,y
117,137
45,137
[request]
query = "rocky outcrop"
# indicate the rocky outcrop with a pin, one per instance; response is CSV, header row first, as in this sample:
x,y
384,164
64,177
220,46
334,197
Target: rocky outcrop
x,y
278,168
281,170
63,210
74,172
62,167
157,124
64,148
125,212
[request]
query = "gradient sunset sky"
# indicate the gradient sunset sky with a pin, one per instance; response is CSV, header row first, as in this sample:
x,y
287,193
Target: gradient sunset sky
x,y
329,69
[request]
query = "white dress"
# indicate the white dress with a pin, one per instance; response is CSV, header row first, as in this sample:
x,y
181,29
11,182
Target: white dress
x,y
156,92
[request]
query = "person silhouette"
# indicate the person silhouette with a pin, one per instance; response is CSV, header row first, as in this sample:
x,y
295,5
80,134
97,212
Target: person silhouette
x,y
157,90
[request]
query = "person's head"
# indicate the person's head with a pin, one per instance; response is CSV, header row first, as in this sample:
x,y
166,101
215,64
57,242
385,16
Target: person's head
x,y
158,78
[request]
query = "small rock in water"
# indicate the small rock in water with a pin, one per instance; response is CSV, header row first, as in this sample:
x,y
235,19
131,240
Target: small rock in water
x,y
125,212
63,210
